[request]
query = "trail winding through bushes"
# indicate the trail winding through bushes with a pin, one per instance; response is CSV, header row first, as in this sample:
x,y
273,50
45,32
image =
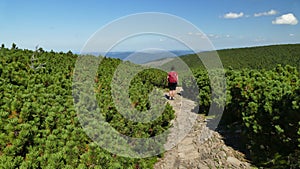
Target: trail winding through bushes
x,y
201,148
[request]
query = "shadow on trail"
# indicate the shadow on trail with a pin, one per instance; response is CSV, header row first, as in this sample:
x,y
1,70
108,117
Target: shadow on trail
x,y
232,137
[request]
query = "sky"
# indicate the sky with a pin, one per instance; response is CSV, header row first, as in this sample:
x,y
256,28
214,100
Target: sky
x,y
63,25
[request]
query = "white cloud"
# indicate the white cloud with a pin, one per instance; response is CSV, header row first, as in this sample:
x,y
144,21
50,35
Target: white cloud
x,y
211,35
271,12
215,36
291,34
199,34
288,19
219,36
232,15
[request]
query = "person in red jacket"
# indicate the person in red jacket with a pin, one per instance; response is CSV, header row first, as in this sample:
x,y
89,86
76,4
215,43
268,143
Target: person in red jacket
x,y
172,83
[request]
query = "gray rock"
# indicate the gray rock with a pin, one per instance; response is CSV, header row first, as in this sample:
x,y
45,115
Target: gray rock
x,y
234,161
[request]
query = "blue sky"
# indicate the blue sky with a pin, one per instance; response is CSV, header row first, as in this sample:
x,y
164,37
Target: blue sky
x,y
64,25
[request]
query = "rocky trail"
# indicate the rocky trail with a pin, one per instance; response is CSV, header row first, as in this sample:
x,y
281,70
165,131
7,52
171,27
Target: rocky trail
x,y
192,145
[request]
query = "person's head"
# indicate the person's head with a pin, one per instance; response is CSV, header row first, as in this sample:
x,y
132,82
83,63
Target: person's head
x,y
172,68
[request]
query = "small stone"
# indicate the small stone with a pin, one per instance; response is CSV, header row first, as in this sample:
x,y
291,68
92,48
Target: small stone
x,y
238,131
225,148
187,141
222,154
234,161
202,166
182,167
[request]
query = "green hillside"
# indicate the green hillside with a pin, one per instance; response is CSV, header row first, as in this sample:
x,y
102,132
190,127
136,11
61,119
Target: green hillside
x,y
262,57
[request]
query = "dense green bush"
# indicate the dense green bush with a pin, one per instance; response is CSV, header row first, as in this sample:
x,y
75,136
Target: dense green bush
x,y
267,106
39,126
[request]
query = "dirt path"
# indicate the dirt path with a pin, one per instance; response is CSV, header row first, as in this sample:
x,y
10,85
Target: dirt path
x,y
201,148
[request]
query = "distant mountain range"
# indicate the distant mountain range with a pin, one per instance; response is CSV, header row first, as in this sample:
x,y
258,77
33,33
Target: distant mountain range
x,y
143,56
256,57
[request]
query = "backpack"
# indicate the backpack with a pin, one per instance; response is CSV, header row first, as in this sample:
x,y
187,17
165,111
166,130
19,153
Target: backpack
x,y
172,77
